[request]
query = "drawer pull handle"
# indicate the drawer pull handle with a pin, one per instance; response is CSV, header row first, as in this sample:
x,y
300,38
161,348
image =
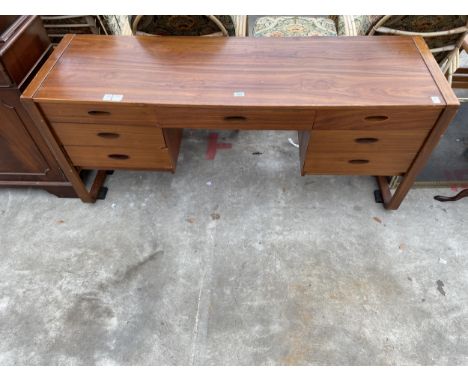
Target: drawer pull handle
x,y
118,156
358,161
366,141
376,118
235,118
98,112
108,135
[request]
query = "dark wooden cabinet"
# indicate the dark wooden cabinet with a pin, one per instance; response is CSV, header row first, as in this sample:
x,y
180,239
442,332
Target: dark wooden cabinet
x,y
25,159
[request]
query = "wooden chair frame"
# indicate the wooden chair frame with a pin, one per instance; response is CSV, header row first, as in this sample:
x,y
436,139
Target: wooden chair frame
x,y
460,77
450,63
240,25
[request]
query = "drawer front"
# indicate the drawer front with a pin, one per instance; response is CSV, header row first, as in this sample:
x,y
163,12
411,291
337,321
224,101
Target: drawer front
x,y
351,163
236,118
373,119
80,134
103,113
366,141
120,158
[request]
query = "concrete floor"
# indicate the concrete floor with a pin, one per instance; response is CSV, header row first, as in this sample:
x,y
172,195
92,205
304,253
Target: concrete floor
x,y
233,261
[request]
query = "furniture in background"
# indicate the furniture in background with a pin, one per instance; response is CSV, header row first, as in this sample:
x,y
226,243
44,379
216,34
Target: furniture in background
x,y
119,114
304,26
58,26
443,34
460,77
25,159
186,25
295,26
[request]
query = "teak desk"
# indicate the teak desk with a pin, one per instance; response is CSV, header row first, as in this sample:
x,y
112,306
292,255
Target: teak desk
x,y
361,105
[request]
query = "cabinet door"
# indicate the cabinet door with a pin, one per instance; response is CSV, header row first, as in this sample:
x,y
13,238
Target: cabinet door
x,y
19,154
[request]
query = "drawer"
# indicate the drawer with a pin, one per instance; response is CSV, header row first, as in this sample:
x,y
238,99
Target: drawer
x,y
237,118
366,141
120,158
103,113
390,119
351,163
81,134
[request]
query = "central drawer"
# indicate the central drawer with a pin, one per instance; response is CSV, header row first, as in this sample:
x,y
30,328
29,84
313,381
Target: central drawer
x,y
236,118
80,134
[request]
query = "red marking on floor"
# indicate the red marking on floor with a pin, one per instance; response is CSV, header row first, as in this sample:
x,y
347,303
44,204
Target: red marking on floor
x,y
214,145
456,174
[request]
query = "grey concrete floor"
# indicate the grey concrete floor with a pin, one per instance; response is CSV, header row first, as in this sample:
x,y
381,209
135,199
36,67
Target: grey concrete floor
x,y
233,261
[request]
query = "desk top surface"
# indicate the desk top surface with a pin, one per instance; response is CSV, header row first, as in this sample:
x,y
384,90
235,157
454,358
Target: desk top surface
x,y
215,71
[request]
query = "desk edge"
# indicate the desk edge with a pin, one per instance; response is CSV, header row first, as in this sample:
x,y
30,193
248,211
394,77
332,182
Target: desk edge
x,y
450,98
42,74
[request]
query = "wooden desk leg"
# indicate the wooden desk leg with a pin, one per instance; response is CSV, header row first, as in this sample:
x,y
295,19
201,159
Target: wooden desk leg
x,y
392,202
64,162
384,189
98,183
462,194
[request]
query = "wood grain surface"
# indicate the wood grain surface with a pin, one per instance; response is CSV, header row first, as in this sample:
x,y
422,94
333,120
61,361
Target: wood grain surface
x,y
300,72
100,113
377,119
366,141
108,158
80,134
358,163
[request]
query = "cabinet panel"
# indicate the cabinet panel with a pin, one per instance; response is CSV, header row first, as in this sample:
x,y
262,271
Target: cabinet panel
x,y
24,44
25,158
18,152
4,79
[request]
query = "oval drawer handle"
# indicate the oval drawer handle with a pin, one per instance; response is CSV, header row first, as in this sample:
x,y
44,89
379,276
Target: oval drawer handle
x,y
119,156
376,118
108,135
235,118
358,161
98,112
366,141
